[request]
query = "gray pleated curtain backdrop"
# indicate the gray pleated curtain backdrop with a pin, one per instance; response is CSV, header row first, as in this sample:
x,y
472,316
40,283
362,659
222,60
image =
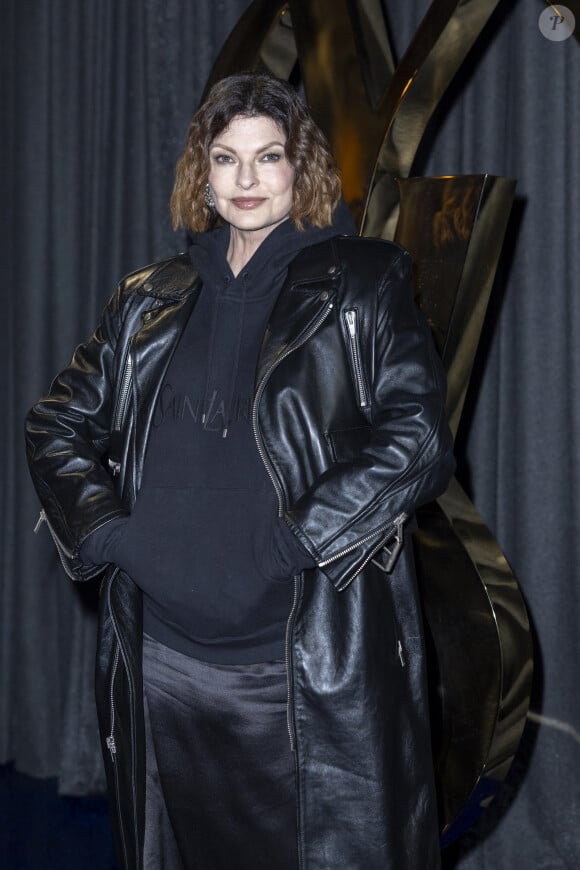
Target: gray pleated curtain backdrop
x,y
95,102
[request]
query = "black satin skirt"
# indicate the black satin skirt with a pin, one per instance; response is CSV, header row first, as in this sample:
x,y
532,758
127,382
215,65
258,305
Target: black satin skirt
x,y
221,790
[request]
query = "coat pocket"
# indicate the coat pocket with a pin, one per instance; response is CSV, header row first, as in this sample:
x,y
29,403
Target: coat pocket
x,y
346,444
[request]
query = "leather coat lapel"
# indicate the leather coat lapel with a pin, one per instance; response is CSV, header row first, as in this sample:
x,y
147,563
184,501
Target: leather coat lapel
x,y
153,347
312,282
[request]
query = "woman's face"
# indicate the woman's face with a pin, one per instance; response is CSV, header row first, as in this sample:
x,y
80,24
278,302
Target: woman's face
x,y
250,177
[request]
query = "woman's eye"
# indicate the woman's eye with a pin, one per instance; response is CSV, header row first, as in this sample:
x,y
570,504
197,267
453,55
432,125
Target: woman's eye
x,y
271,157
223,158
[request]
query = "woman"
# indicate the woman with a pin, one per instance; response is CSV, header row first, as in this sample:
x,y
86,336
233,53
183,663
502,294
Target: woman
x,y
242,443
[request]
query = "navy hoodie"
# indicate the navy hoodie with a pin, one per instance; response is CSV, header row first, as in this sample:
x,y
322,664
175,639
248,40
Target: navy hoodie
x,y
204,541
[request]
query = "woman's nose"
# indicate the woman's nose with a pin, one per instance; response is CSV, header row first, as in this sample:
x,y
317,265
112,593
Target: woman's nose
x,y
246,175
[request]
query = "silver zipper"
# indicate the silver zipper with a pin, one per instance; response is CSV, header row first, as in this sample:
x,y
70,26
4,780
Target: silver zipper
x,y
110,740
124,390
62,554
353,335
268,465
396,526
288,662
121,408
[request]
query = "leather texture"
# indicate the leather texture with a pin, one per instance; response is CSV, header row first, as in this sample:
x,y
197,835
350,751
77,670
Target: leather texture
x,y
352,430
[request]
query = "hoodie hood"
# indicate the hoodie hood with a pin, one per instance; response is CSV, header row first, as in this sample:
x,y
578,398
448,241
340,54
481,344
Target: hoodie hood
x,y
240,305
267,268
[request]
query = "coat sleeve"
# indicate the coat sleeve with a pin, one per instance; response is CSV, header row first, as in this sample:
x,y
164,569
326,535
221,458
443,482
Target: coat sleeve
x,y
67,436
357,507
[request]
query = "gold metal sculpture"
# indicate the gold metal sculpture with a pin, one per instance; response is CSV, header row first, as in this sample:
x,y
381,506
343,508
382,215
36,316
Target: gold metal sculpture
x,y
375,114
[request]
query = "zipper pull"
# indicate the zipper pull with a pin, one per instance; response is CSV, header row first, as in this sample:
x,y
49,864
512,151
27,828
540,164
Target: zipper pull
x,y
398,545
351,322
41,519
111,746
400,653
115,467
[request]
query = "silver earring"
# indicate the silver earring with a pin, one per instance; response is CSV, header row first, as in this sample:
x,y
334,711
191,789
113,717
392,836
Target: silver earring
x,y
208,197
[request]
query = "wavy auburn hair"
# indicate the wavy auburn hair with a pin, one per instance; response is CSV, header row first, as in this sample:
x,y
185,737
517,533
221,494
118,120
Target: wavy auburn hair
x,y
317,188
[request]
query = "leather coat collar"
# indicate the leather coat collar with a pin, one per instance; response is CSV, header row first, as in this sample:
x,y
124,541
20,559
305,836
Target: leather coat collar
x,y
171,280
174,278
313,266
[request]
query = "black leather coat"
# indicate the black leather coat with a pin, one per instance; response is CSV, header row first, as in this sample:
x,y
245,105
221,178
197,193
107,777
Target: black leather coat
x,y
348,418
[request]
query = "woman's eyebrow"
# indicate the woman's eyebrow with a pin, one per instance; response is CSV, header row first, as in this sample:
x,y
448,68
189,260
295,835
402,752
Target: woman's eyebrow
x,y
219,145
271,145
258,151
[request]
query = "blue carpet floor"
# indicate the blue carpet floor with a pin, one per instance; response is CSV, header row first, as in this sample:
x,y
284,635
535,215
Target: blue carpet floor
x,y
39,830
